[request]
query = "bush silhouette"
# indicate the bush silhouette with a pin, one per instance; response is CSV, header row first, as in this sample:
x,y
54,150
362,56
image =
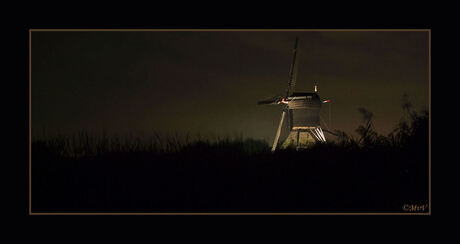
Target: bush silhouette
x,y
372,173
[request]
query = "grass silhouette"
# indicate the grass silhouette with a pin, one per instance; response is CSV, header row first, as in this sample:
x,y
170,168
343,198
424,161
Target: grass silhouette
x,y
90,172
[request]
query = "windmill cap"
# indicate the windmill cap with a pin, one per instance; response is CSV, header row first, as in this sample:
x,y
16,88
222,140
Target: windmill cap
x,y
305,94
305,101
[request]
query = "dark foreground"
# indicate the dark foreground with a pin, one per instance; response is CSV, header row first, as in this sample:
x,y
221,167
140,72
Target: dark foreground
x,y
369,174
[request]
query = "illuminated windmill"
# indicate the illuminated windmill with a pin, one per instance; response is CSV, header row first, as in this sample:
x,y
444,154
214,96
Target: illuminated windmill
x,y
301,113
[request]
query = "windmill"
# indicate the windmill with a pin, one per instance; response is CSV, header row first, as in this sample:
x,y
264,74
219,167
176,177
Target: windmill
x,y
301,113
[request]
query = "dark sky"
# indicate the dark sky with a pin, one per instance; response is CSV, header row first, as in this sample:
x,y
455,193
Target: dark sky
x,y
210,82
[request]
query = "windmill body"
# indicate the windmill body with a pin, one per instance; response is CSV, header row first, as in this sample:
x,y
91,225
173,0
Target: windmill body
x,y
302,119
300,116
304,126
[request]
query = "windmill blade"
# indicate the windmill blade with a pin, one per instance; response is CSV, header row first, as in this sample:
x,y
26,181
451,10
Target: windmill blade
x,y
275,100
291,83
278,132
265,102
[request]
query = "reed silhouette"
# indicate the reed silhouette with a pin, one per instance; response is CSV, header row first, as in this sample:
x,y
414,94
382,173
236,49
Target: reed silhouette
x,y
91,172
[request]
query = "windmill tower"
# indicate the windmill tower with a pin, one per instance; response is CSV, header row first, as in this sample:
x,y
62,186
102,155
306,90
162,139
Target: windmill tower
x,y
301,114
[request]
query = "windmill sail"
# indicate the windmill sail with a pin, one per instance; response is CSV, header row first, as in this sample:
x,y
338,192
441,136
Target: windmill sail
x,y
274,100
291,83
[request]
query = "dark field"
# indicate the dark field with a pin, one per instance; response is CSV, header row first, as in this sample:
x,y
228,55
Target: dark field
x,y
371,173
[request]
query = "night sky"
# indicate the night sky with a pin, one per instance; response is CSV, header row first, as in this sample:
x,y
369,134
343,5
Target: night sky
x,y
209,82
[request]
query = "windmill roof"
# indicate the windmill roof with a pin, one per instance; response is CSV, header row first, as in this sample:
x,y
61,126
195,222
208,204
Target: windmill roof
x,y
304,94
